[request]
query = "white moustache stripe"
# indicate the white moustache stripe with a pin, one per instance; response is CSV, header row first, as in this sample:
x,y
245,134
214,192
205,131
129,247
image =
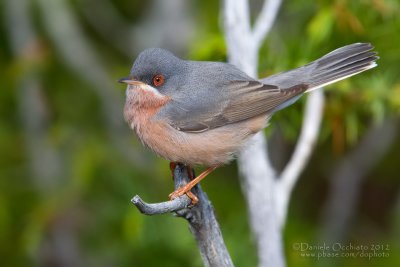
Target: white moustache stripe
x,y
144,87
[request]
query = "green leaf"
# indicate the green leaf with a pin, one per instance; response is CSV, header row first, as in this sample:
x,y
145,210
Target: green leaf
x,y
320,27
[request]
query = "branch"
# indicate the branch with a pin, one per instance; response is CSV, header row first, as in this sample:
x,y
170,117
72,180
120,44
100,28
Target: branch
x,y
201,218
162,207
265,20
258,185
242,52
304,147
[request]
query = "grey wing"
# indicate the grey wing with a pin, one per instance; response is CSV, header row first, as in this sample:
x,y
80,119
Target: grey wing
x,y
243,100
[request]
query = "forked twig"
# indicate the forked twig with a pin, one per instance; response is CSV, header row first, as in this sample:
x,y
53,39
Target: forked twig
x,y
201,218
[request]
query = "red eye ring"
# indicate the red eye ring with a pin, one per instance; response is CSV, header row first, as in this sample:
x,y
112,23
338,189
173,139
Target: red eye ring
x,y
158,80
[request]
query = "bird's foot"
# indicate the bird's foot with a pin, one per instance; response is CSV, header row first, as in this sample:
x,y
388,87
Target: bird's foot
x,y
182,191
187,187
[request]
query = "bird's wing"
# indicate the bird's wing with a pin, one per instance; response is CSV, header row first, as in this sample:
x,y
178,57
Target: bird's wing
x,y
244,100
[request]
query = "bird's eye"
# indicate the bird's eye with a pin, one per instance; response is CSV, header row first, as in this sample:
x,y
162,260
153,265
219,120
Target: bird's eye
x,y
158,80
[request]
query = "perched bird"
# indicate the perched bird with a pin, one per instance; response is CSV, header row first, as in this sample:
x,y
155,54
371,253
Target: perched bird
x,y
202,113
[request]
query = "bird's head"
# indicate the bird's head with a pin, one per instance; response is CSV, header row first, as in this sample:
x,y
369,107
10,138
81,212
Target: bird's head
x,y
155,77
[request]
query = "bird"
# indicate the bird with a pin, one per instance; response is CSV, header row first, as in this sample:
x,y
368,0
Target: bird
x,y
202,113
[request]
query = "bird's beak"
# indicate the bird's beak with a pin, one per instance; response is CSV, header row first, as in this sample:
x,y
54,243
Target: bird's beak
x,y
131,81
135,84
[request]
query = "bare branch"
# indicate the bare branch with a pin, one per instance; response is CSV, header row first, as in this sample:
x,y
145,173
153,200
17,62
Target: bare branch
x,y
265,20
258,176
201,218
258,184
242,51
237,17
304,147
162,207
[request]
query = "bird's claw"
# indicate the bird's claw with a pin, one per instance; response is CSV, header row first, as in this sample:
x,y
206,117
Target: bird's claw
x,y
177,193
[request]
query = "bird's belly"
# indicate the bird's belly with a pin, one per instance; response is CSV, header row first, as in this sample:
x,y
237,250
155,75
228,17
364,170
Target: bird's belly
x,y
213,147
210,148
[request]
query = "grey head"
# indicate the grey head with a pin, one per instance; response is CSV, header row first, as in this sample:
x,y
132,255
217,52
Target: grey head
x,y
154,62
182,78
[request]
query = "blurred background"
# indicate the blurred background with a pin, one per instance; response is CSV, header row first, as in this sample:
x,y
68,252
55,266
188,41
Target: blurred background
x,y
69,165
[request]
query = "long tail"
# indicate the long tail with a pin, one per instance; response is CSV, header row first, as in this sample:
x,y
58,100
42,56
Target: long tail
x,y
337,65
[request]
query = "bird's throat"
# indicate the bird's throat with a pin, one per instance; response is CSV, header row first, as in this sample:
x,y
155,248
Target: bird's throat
x,y
142,104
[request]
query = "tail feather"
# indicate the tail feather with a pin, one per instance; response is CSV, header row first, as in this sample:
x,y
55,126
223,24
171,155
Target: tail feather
x,y
341,64
344,53
348,61
334,66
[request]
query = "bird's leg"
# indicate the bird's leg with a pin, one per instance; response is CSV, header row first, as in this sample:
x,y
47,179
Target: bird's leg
x,y
172,166
191,176
190,172
187,187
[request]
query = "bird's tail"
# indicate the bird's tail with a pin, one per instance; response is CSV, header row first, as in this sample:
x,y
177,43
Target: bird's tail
x,y
337,65
341,64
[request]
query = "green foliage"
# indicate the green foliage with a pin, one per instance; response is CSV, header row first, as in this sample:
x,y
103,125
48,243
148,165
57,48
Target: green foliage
x,y
323,20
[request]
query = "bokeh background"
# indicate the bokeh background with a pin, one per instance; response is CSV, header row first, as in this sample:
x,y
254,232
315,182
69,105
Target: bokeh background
x,y
69,165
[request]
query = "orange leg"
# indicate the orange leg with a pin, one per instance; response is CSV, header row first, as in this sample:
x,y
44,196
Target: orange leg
x,y
190,172
187,187
193,197
172,166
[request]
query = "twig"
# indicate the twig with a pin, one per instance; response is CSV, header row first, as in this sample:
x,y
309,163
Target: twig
x,y
162,207
304,147
265,20
201,218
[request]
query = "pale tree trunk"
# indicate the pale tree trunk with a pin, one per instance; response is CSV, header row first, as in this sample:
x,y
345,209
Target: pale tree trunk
x,y
267,192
